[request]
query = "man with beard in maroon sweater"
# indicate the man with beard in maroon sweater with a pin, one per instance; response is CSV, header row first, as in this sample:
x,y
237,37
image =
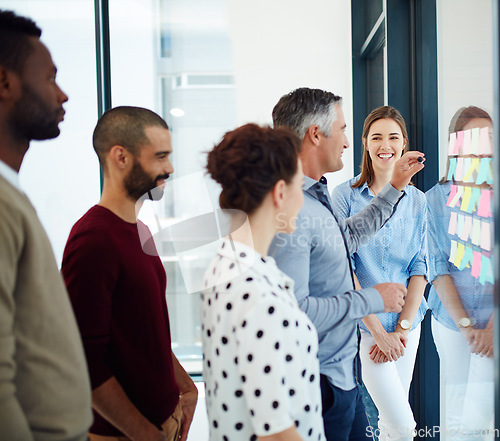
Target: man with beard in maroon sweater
x,y
139,390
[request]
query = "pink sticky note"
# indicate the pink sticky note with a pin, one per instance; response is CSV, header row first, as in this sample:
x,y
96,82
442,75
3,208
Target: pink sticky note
x,y
459,142
453,141
452,227
474,142
484,146
476,264
484,208
466,146
486,236
456,198
467,229
453,192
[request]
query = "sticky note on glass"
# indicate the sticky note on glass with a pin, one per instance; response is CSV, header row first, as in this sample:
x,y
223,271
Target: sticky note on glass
x,y
459,173
467,259
467,166
451,145
486,275
453,251
460,254
466,229
453,192
484,147
475,164
452,226
485,173
486,236
476,264
458,142
466,198
456,192
474,144
484,207
476,231
460,224
452,168
466,146
474,200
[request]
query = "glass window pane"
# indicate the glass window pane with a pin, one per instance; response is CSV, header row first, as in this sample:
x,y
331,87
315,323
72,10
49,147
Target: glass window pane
x,y
375,78
461,221
204,68
61,176
373,9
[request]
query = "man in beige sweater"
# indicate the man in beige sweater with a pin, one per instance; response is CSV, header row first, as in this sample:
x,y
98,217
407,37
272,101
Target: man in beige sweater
x,y
44,386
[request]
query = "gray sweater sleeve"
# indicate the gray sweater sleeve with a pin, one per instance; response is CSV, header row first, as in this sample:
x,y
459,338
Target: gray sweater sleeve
x,y
328,312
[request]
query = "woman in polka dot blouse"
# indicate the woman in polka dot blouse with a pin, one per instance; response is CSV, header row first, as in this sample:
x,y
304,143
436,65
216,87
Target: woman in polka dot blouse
x,y
397,253
260,350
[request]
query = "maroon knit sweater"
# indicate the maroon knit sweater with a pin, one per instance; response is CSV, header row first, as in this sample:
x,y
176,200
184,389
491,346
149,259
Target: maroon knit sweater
x,y
118,294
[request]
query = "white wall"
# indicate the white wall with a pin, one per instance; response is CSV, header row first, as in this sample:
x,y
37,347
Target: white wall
x,y
61,176
279,46
465,61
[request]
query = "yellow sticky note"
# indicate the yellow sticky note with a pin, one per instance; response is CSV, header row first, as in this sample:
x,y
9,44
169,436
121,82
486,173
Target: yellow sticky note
x,y
466,198
475,163
460,255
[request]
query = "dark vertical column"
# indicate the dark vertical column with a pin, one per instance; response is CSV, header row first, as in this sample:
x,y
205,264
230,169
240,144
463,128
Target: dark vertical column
x,y
426,92
412,89
412,77
400,60
424,120
103,58
359,80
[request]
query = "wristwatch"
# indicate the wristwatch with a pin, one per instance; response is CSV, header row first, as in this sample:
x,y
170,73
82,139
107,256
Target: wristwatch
x,y
405,324
466,322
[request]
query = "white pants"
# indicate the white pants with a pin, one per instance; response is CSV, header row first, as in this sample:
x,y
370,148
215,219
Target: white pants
x,y
388,384
467,397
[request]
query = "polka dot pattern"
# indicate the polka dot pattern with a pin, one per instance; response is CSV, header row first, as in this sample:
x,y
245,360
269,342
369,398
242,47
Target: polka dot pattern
x,y
260,350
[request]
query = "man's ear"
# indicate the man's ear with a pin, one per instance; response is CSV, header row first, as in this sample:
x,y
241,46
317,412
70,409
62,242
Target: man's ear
x,y
278,193
313,134
119,157
9,83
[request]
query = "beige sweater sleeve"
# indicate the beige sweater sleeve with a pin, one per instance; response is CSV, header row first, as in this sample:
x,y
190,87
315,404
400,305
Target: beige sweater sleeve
x,y
14,425
44,385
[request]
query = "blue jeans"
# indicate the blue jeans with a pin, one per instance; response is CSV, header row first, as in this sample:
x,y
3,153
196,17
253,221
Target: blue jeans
x,y
344,414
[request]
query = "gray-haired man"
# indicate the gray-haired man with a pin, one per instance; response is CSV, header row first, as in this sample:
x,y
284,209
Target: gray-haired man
x,y
317,255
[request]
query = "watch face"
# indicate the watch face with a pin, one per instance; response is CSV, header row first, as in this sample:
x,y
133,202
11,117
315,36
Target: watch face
x,y
464,322
405,324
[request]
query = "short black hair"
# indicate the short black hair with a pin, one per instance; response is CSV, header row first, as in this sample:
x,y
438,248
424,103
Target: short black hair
x,y
15,46
125,126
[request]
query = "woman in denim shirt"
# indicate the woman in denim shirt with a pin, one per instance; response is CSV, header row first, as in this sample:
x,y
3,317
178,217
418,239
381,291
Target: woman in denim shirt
x,y
397,253
462,319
